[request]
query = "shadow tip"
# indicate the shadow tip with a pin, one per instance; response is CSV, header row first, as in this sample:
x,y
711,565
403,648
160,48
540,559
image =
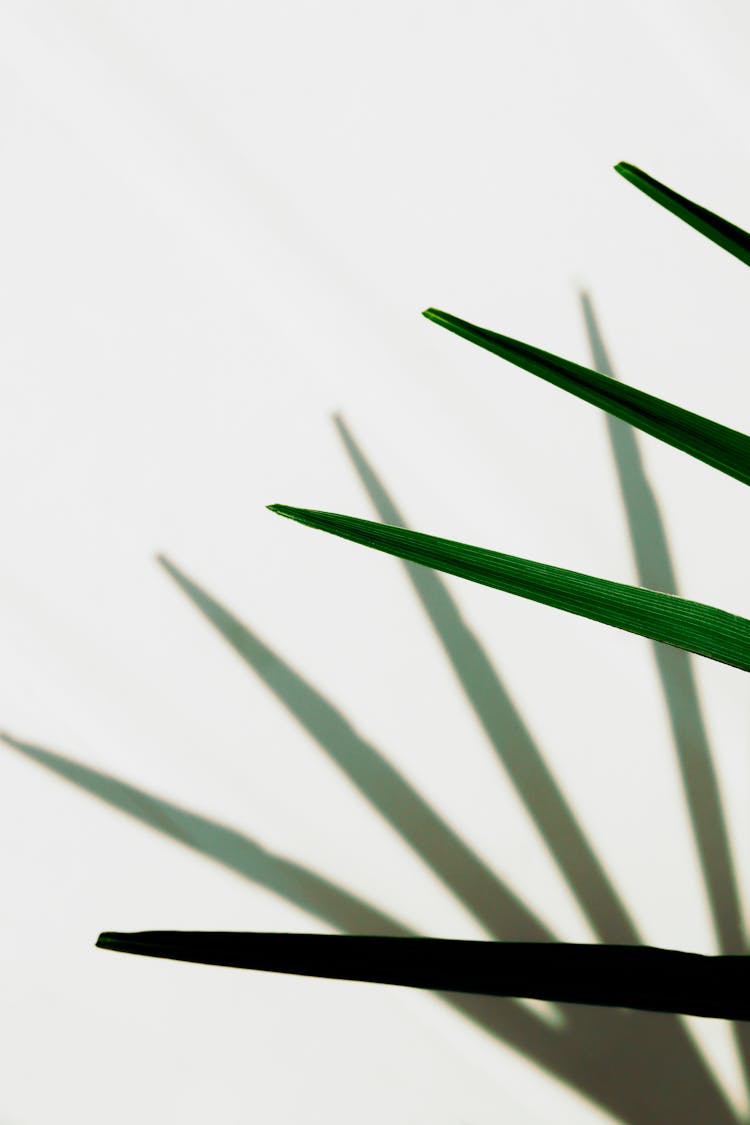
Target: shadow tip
x,y
10,740
340,423
166,564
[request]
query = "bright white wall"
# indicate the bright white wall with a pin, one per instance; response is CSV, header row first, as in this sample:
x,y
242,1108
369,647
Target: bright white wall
x,y
219,223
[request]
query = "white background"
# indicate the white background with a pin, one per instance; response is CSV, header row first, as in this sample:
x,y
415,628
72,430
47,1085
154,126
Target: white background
x,y
218,226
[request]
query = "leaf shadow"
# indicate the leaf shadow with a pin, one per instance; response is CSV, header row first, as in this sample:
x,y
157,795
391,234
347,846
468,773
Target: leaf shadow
x,y
506,730
401,806
639,1090
234,850
656,571
650,546
641,1067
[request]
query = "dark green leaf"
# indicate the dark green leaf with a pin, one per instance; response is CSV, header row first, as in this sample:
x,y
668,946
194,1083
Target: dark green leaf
x,y
716,445
662,617
612,976
721,231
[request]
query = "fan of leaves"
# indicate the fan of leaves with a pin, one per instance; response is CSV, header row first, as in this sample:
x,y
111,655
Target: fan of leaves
x,y
607,975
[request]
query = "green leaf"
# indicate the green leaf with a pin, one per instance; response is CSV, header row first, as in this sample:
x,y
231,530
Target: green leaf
x,y
662,617
721,231
725,449
621,976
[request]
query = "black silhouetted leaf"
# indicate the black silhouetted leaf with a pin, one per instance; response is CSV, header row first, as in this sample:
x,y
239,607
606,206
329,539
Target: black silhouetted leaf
x,y
675,621
721,231
725,449
612,976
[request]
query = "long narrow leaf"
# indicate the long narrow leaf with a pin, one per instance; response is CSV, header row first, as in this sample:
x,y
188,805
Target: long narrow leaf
x,y
612,976
721,231
725,449
685,624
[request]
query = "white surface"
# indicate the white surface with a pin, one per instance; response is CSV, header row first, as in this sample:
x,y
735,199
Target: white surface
x,y
219,223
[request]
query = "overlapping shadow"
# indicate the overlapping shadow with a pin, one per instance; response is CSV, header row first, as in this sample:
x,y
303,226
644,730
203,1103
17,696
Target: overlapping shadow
x,y
653,560
235,850
635,1085
582,1057
507,732
503,914
643,1068
655,569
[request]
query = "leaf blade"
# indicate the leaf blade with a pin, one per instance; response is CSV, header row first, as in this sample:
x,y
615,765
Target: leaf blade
x,y
622,976
728,236
689,625
717,445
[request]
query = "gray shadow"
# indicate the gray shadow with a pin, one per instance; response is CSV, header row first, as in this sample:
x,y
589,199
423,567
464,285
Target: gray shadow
x,y
508,734
234,850
593,1054
505,727
655,569
493,903
503,914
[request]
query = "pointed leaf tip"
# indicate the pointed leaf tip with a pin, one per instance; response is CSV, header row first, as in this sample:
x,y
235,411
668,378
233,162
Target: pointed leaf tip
x,y
724,233
300,515
639,977
106,940
689,625
719,446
